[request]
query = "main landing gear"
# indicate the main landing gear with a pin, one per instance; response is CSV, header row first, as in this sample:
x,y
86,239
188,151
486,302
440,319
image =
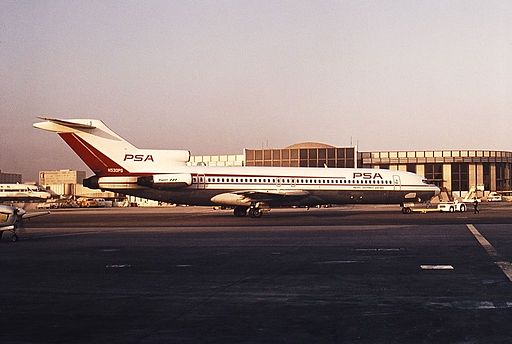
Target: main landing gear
x,y
252,211
240,211
255,212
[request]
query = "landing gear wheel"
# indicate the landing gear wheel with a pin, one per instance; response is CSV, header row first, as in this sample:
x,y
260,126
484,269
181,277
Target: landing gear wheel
x,y
255,212
240,211
14,237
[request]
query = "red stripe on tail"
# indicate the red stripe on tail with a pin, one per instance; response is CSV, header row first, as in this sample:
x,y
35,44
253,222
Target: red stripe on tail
x,y
98,162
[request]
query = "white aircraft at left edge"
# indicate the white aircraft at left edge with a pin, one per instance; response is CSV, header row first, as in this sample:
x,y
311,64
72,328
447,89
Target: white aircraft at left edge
x,y
11,218
22,193
164,176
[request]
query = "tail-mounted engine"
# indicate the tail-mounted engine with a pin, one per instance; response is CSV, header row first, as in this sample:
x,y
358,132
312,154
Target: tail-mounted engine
x,y
166,181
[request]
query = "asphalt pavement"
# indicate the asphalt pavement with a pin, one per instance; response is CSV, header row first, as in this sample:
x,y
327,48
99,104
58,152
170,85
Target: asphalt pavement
x,y
363,274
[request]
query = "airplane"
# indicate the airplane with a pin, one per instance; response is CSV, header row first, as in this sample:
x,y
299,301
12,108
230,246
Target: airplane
x,y
163,175
23,193
11,218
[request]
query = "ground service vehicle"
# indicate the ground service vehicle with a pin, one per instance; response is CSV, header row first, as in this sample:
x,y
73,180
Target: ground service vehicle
x,y
494,197
88,202
448,207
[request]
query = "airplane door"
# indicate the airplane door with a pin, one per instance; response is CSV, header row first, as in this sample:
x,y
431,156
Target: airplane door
x,y
396,183
201,181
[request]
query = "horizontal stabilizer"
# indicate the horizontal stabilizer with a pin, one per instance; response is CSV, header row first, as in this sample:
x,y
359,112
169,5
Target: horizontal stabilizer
x,y
68,123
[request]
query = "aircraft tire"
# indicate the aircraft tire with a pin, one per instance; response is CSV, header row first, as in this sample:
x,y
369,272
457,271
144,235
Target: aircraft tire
x,y
14,237
240,211
256,213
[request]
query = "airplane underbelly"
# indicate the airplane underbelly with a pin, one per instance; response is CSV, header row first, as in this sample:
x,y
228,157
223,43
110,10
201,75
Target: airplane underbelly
x,y
202,197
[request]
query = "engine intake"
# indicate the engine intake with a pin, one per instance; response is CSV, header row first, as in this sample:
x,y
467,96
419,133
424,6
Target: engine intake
x,y
91,182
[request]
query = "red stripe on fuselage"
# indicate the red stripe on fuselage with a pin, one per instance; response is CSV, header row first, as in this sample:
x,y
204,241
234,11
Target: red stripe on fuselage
x,y
98,162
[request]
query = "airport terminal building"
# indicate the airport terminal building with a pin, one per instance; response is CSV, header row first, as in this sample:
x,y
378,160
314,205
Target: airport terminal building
x,y
10,178
455,170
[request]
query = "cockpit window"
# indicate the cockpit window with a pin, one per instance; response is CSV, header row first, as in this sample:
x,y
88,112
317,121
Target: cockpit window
x,y
3,217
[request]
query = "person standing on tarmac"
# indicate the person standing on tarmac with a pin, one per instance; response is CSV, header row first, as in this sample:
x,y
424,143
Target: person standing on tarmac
x,y
475,206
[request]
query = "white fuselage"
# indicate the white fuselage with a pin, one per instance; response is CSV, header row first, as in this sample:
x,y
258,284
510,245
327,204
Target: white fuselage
x,y
22,193
298,186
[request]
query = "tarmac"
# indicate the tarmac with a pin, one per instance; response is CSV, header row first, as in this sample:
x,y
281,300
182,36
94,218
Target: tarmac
x,y
354,274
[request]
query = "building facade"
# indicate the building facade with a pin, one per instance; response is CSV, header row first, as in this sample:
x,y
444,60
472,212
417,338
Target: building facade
x,y
456,170
69,183
217,160
307,154
10,178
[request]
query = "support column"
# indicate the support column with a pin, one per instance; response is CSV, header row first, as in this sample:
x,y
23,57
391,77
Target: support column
x,y
420,170
472,175
447,176
480,174
493,176
507,176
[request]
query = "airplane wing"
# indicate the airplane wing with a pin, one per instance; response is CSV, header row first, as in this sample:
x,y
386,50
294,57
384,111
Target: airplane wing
x,y
246,197
31,215
272,194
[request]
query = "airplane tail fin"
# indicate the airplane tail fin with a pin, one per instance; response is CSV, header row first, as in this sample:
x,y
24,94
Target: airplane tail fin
x,y
105,152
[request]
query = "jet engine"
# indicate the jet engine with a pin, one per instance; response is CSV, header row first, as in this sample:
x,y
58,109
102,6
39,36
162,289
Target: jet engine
x,y
166,181
112,183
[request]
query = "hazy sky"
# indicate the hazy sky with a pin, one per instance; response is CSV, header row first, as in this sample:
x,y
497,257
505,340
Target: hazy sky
x,y
217,76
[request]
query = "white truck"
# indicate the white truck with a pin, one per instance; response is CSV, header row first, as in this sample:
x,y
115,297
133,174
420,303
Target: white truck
x,y
448,207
